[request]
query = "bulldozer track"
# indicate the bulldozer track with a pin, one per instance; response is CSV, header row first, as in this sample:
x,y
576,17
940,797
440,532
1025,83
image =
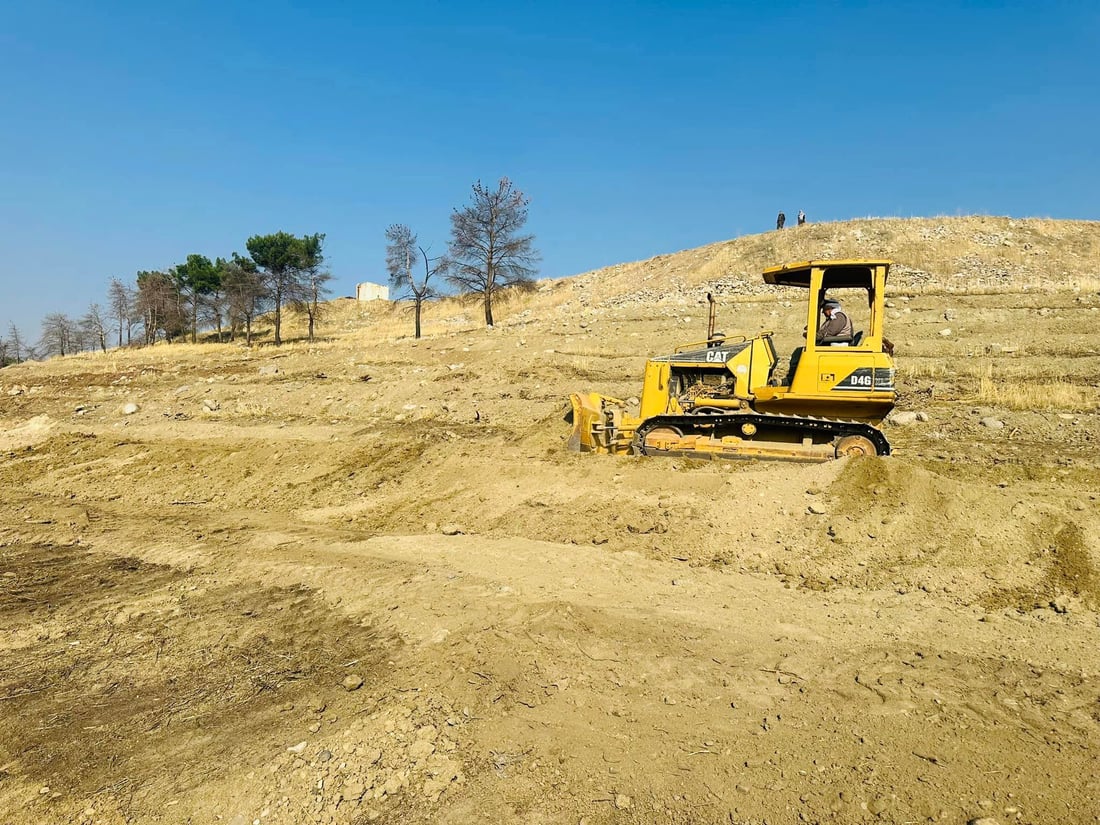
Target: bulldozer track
x,y
733,424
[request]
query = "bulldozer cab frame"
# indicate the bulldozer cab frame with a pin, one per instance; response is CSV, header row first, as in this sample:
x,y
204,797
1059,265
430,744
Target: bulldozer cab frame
x,y
824,279
854,365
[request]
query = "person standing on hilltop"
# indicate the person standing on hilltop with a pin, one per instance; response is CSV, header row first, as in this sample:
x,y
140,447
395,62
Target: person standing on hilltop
x,y
801,218
780,220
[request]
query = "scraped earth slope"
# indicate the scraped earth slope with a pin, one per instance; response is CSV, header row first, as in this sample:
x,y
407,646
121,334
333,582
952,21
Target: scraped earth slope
x,y
187,593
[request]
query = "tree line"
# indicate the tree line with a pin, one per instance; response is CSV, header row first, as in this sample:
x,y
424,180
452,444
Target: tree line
x,y
487,253
223,296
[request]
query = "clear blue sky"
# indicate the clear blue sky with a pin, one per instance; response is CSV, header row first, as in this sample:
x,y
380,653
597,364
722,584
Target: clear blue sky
x,y
134,133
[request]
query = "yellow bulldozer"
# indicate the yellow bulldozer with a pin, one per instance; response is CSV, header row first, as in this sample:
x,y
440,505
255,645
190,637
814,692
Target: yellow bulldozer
x,y
721,397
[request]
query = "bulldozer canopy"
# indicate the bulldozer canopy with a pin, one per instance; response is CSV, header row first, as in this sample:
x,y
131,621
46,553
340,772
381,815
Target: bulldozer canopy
x,y
846,274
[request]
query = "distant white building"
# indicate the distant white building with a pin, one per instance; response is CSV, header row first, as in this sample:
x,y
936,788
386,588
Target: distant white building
x,y
371,292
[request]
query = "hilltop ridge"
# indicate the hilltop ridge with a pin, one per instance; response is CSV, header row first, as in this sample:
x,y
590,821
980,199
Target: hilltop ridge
x,y
940,254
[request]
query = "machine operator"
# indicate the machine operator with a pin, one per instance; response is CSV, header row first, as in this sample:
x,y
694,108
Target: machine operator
x,y
837,326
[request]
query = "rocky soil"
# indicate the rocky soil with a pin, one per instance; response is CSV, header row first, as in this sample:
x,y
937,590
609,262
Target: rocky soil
x,y
362,581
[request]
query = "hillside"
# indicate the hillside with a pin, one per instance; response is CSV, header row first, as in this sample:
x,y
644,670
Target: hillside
x,y
972,254
362,581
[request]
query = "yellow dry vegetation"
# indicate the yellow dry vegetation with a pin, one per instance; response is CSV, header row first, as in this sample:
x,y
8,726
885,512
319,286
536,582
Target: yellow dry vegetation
x,y
1029,395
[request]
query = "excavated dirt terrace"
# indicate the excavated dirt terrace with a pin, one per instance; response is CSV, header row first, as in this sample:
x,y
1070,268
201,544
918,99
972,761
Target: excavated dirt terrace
x,y
362,581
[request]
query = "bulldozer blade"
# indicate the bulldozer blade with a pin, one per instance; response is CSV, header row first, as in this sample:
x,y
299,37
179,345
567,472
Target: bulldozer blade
x,y
589,422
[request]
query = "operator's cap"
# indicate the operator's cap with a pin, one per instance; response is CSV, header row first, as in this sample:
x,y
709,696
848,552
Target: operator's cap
x,y
831,303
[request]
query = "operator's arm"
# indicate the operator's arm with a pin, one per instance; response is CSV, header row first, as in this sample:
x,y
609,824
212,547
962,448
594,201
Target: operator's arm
x,y
826,328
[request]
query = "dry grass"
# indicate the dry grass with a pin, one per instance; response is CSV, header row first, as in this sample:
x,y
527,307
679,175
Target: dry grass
x,y
1012,386
1051,395
1037,370
251,410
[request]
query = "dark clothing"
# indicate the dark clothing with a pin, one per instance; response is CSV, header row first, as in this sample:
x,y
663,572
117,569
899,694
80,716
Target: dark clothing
x,y
801,217
780,220
838,326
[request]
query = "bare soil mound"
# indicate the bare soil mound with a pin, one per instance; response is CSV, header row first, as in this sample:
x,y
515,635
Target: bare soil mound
x,y
360,580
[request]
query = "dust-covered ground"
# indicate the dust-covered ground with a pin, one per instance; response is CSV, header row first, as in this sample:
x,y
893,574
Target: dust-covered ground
x,y
362,581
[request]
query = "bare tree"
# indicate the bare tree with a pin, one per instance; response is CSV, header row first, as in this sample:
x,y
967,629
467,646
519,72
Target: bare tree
x,y
17,350
214,305
95,327
158,302
488,252
403,255
59,334
120,298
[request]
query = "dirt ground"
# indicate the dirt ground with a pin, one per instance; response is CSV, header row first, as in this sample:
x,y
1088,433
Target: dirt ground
x,y
362,581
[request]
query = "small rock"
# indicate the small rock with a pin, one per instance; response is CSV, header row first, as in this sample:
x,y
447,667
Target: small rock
x,y
949,315
878,805
983,820
922,416
269,369
301,746
903,418
452,530
623,802
945,333
211,404
354,791
816,510
130,409
992,423
352,682
324,756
